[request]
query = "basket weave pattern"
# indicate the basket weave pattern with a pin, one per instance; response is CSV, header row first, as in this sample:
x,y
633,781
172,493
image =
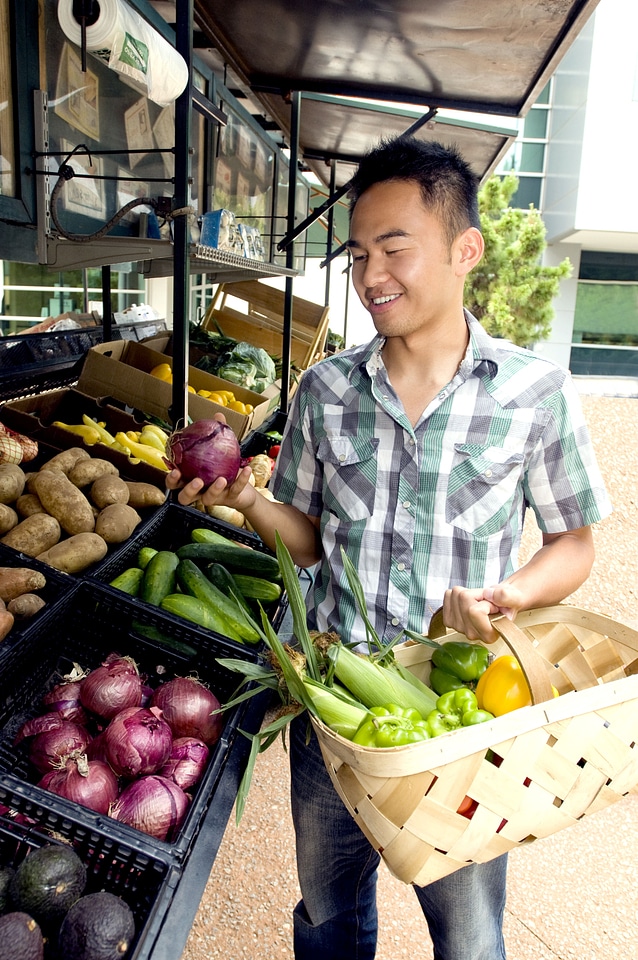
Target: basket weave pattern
x,y
531,772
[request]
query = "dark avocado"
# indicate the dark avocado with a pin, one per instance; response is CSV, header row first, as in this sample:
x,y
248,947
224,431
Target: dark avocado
x,y
20,938
47,882
99,926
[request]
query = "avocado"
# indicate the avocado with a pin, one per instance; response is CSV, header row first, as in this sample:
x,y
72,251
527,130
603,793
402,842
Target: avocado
x,y
99,926
20,937
6,876
47,882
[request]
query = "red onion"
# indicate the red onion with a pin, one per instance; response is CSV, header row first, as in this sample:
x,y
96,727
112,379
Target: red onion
x,y
111,687
65,699
88,782
48,748
137,742
153,804
187,706
96,750
186,763
207,449
40,724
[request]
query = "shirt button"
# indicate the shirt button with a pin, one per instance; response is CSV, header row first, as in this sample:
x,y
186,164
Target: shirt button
x,y
394,622
342,457
400,566
411,441
406,504
488,473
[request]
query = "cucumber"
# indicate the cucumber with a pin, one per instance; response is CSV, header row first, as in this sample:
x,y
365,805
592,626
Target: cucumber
x,y
193,581
150,632
199,612
159,577
256,588
234,558
129,581
144,556
202,535
223,579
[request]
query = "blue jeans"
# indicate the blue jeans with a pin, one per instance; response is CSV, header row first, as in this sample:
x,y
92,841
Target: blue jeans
x,y
337,868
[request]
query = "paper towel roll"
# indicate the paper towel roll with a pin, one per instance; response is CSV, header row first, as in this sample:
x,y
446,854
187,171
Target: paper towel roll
x,y
130,46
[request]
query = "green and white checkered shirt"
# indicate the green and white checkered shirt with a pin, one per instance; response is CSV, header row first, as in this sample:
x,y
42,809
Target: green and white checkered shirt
x,y
420,509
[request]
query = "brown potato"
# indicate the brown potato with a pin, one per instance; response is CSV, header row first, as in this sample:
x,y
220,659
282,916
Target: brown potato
x,y
117,522
12,480
8,518
25,606
107,490
34,534
143,495
66,459
62,499
88,471
76,553
28,504
14,581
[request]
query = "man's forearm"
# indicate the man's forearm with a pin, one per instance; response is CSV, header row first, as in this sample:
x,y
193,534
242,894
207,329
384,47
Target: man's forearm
x,y
299,533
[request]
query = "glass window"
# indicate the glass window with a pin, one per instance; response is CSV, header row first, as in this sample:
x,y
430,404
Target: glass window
x,y
7,150
535,126
606,313
533,157
529,192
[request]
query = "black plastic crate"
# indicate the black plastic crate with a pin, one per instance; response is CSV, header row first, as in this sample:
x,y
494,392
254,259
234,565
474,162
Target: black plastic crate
x,y
146,884
84,628
170,528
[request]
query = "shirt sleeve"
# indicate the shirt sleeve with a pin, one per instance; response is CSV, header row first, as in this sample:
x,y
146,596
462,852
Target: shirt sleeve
x,y
563,482
297,478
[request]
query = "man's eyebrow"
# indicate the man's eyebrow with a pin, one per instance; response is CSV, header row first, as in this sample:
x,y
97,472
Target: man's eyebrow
x,y
381,238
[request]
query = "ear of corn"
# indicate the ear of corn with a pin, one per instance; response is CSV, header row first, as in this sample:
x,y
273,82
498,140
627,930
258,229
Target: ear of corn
x,y
341,715
375,685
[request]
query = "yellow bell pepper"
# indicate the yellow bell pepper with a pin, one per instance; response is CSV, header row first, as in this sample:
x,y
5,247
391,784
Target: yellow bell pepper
x,y
503,687
238,406
163,372
216,397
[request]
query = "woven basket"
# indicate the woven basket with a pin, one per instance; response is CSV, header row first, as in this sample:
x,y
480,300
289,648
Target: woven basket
x,y
531,772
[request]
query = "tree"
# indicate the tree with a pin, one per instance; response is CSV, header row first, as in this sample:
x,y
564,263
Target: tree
x,y
509,291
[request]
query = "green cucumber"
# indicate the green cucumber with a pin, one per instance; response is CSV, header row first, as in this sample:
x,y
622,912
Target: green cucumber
x,y
150,632
144,556
199,612
224,580
159,577
233,557
256,588
193,581
129,581
202,535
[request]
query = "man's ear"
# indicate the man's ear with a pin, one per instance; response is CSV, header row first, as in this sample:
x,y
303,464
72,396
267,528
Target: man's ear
x,y
469,247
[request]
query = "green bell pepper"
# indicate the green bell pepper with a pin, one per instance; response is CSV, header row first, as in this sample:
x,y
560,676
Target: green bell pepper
x,y
457,663
455,709
391,726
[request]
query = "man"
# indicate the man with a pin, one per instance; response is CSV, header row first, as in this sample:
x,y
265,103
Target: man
x,y
419,454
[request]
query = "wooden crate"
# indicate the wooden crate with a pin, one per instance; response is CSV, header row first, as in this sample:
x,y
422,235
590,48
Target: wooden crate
x,y
262,323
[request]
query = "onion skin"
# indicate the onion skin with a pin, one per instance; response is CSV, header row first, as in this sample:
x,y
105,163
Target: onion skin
x,y
187,706
64,698
207,449
96,789
152,804
112,687
137,742
48,748
186,763
41,724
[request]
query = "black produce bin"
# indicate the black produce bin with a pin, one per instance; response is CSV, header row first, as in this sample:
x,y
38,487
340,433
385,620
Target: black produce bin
x,y
146,884
90,623
169,528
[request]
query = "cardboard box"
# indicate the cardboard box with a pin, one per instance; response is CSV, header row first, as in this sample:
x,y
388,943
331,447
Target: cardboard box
x,y
35,416
121,370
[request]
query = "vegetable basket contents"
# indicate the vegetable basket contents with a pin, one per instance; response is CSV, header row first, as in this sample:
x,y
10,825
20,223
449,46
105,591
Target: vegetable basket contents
x,y
473,785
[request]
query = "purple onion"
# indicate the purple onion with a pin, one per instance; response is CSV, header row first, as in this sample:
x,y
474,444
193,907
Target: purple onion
x,y
40,724
187,706
137,742
51,746
207,449
64,698
111,687
186,763
152,804
90,783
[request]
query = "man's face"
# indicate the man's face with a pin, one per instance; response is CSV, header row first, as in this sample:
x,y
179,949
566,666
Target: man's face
x,y
403,269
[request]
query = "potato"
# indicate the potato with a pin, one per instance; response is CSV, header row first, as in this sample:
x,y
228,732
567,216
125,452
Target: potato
x,y
66,459
62,499
34,534
12,480
76,553
107,490
25,606
28,504
143,495
88,471
6,623
8,518
117,522
14,581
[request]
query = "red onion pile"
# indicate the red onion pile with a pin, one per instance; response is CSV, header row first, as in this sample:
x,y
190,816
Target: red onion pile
x,y
119,757
207,449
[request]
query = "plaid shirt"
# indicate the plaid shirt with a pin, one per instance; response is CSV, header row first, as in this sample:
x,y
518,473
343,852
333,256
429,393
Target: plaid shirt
x,y
420,509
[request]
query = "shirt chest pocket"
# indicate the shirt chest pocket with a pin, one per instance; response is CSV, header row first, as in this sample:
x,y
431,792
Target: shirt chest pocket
x,y
482,488
349,476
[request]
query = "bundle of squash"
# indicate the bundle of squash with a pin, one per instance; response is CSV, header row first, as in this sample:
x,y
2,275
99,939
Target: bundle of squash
x,y
69,512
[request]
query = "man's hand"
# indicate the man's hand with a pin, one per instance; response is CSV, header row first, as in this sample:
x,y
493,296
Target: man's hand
x,y
240,494
468,611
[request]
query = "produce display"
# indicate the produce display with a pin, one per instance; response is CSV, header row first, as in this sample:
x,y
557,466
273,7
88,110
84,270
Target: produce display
x,y
225,398
147,444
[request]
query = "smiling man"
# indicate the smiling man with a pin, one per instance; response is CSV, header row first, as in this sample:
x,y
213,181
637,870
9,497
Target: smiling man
x,y
419,454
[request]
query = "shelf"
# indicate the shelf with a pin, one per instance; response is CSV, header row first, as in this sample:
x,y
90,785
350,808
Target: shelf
x,y
221,267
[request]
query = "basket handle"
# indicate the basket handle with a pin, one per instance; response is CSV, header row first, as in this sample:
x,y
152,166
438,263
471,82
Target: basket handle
x,y
532,664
